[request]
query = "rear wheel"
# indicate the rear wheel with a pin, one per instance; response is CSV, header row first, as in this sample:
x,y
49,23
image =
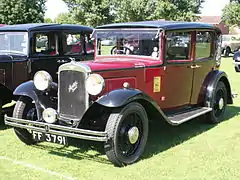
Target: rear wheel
x,y
127,134
25,109
218,103
227,51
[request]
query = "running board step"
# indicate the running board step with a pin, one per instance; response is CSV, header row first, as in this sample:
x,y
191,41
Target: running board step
x,y
180,118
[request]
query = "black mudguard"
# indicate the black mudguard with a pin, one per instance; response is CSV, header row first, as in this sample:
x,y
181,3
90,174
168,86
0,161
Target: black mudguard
x,y
40,99
6,94
213,78
120,97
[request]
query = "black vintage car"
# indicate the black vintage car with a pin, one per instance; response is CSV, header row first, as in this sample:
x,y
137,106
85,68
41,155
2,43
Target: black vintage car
x,y
28,48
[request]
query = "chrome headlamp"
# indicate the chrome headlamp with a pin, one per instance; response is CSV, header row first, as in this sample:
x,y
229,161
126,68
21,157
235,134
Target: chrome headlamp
x,y
95,84
42,80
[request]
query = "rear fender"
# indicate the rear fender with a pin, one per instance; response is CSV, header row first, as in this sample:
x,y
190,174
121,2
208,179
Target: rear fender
x,y
213,78
40,99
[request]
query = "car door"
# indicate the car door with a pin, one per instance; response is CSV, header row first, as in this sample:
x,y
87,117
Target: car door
x,y
45,53
203,62
178,74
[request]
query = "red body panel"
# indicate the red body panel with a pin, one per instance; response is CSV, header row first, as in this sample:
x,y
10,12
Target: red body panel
x,y
123,62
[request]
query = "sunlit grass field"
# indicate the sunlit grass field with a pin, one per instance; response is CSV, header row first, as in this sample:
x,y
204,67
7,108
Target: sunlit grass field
x,y
194,150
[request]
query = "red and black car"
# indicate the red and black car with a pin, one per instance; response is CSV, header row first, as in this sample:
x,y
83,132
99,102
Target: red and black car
x,y
28,48
157,70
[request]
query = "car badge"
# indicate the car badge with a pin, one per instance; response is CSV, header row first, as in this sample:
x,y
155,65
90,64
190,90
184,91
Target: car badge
x,y
72,87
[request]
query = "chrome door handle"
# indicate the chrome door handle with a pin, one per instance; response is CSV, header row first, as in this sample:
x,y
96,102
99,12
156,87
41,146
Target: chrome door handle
x,y
194,66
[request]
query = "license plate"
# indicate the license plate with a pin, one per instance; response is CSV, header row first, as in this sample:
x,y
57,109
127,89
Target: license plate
x,y
39,136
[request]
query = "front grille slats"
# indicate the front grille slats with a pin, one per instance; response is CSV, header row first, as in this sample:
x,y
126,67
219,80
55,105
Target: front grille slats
x,y
72,98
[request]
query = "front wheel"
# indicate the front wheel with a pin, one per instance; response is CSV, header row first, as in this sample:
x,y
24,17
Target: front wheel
x,y
218,103
127,134
24,109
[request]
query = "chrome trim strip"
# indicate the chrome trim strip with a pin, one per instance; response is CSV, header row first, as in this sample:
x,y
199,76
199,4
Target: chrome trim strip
x,y
56,129
75,66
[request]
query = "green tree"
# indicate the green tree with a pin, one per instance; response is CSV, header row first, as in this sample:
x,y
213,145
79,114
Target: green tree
x,y
65,18
231,14
98,12
22,11
90,12
48,20
138,10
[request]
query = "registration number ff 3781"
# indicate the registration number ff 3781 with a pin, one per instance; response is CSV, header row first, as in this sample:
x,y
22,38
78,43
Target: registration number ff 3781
x,y
39,136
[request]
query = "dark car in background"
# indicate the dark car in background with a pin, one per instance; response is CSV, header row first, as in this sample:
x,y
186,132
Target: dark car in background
x,y
28,48
236,61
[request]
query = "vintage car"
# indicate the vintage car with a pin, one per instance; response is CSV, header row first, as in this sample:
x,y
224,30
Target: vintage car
x,y
230,44
112,98
236,61
28,48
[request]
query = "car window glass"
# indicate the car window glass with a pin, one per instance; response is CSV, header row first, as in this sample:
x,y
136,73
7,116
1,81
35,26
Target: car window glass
x,y
45,44
13,42
140,42
178,45
203,45
73,43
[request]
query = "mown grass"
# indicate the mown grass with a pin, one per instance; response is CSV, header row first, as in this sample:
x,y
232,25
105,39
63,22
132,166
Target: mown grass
x,y
194,150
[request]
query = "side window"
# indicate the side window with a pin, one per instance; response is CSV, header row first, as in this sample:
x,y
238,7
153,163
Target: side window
x,y
45,44
178,45
203,45
89,44
73,43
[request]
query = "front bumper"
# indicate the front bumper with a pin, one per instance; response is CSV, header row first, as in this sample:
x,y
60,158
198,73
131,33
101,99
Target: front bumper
x,y
56,129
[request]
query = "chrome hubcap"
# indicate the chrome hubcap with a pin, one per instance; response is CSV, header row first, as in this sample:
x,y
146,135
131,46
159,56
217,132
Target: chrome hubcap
x,y
221,103
133,134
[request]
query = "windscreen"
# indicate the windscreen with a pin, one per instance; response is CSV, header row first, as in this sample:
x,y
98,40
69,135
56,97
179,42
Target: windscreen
x,y
141,42
13,42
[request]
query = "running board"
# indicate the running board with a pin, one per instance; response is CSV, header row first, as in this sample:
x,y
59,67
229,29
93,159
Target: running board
x,y
180,118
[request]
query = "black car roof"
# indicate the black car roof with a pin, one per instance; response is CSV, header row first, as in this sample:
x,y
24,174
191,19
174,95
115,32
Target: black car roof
x,y
167,25
44,26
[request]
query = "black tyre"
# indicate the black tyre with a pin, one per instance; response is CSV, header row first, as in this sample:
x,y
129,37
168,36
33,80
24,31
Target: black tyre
x,y
218,103
127,134
227,51
236,69
24,109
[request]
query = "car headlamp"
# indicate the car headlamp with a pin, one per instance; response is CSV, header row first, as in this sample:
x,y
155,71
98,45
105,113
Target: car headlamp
x,y
50,115
42,80
95,84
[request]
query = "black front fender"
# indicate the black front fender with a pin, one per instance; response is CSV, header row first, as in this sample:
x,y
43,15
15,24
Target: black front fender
x,y
41,100
120,97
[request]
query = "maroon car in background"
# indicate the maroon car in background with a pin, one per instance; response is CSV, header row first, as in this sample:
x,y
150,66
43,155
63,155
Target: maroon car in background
x,y
28,48
151,70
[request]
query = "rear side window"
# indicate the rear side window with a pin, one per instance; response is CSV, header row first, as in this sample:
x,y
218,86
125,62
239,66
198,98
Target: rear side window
x,y
203,45
178,46
45,44
76,44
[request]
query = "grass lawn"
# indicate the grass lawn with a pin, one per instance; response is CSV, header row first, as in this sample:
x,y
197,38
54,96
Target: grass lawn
x,y
194,150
